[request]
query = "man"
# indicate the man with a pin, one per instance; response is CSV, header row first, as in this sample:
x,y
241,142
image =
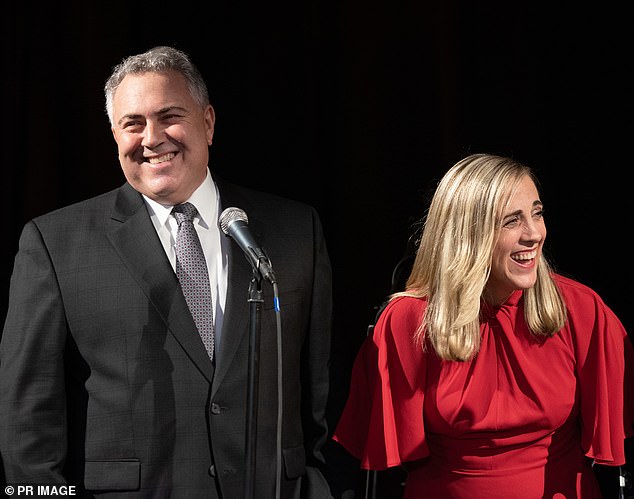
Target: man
x,y
108,382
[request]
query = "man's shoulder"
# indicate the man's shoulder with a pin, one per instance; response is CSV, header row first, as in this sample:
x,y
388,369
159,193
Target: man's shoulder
x,y
249,197
82,208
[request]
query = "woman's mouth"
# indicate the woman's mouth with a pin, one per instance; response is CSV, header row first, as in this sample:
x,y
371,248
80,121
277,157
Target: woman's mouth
x,y
524,256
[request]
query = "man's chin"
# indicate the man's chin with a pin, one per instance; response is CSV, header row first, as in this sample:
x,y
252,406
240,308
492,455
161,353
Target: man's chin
x,y
162,192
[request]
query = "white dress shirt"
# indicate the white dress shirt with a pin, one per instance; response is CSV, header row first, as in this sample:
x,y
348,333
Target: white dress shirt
x,y
206,199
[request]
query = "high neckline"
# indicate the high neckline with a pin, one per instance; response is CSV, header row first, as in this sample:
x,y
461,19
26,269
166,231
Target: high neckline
x,y
512,301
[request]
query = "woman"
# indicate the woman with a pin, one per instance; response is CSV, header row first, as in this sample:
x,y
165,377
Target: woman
x,y
490,376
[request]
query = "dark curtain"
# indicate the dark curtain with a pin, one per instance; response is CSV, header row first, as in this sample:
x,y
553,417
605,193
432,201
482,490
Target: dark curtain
x,y
356,107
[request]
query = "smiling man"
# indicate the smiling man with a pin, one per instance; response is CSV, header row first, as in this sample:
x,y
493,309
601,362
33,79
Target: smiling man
x,y
162,134
124,357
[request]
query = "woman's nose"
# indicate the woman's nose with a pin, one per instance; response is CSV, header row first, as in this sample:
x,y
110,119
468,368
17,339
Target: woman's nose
x,y
533,230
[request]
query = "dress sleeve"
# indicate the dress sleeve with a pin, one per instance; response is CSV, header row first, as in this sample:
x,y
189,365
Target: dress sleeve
x,y
604,365
382,421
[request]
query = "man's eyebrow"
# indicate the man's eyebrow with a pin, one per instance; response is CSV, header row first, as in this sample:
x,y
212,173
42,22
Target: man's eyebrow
x,y
171,108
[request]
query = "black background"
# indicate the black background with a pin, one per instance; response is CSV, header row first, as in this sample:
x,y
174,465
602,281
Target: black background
x,y
356,107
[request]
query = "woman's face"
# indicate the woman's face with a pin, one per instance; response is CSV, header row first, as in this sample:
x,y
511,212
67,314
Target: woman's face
x,y
519,245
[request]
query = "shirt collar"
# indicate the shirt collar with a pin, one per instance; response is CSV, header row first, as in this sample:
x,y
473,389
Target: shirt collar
x,y
204,198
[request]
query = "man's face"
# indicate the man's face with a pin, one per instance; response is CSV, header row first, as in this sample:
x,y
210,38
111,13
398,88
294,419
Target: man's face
x,y
162,134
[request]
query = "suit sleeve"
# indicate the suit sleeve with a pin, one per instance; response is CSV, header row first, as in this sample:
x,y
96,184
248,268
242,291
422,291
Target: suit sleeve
x,y
316,359
32,394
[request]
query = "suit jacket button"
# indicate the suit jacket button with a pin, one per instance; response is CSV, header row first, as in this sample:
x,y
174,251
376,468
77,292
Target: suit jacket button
x,y
212,470
215,408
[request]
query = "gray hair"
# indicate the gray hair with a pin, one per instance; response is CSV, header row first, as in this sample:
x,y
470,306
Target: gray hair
x,y
157,60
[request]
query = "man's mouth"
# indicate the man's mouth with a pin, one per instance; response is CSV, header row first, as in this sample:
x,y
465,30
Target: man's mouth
x,y
160,159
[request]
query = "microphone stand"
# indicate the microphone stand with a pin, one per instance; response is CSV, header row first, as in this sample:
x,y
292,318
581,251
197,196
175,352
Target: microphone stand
x,y
255,306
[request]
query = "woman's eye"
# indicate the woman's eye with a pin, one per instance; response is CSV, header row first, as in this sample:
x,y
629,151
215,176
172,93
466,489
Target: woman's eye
x,y
511,222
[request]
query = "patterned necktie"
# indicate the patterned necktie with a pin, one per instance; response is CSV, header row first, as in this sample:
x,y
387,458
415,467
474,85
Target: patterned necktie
x,y
191,271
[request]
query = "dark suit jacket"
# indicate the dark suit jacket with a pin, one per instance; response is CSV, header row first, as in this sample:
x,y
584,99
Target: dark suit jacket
x,y
105,383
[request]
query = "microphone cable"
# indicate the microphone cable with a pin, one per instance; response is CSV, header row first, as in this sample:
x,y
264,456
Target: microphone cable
x,y
280,394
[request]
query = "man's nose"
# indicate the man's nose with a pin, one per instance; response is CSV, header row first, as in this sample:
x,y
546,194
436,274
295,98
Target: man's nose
x,y
152,135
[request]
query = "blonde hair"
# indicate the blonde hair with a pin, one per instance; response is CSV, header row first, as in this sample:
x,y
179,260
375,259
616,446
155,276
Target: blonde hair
x,y
453,260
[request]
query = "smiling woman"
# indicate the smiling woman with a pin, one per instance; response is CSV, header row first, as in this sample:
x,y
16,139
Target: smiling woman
x,y
519,244
490,375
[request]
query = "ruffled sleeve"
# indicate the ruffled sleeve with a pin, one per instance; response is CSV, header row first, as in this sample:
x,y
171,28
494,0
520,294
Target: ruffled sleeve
x,y
604,356
382,421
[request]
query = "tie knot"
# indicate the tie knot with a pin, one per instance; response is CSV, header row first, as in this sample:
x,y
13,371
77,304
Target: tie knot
x,y
185,211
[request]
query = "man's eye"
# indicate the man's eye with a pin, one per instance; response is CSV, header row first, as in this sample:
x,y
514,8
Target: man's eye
x,y
131,125
538,214
170,118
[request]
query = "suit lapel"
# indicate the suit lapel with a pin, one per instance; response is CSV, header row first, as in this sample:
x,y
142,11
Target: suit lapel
x,y
134,238
237,309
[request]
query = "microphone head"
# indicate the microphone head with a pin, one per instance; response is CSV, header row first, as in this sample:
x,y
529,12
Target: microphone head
x,y
230,215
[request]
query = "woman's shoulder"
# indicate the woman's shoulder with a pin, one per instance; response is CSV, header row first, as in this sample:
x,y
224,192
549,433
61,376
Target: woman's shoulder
x,y
402,312
576,291
405,303
585,306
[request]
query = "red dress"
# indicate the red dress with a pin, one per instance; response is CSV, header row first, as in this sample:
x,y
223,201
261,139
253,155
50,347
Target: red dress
x,y
522,420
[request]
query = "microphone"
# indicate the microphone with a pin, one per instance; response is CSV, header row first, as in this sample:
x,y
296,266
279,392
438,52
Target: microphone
x,y
234,223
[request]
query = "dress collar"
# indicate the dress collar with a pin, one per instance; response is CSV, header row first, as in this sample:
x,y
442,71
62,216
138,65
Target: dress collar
x,y
512,301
